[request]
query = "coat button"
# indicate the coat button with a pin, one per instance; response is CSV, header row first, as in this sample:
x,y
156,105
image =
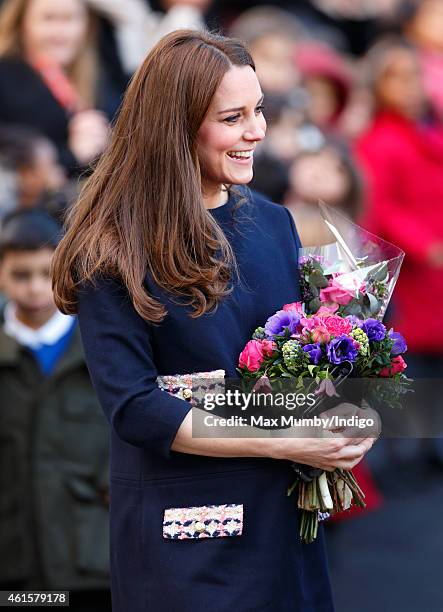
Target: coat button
x,y
187,394
199,526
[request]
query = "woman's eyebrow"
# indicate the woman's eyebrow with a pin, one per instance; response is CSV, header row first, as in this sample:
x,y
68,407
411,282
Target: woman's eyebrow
x,y
240,108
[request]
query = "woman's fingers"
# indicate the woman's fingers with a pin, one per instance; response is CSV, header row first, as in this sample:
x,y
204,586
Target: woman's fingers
x,y
341,410
351,421
344,440
350,452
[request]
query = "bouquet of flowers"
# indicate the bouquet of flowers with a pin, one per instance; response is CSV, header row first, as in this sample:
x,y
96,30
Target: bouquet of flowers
x,y
354,275
334,333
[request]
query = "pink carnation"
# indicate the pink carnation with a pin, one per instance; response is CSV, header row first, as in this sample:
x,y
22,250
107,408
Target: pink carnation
x,y
398,364
297,306
254,353
337,326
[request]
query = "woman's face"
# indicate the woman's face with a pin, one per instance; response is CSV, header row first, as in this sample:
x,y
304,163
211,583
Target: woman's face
x,y
231,130
400,86
54,29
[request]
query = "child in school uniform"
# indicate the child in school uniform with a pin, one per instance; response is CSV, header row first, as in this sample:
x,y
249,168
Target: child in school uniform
x,y
53,435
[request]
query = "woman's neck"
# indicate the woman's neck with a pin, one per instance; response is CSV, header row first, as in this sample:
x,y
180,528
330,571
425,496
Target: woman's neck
x,y
213,198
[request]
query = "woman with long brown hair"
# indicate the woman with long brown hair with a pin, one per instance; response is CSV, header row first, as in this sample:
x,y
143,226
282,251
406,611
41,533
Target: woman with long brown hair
x,y
171,264
49,75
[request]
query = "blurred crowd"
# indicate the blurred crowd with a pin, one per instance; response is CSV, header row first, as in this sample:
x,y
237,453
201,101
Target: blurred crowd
x,y
354,106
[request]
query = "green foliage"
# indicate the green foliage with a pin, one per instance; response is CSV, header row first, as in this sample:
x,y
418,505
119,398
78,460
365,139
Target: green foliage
x,y
317,279
259,334
371,305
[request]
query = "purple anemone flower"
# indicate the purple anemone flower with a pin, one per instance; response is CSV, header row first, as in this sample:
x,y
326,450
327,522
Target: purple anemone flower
x,y
341,349
399,346
314,352
373,329
280,322
353,320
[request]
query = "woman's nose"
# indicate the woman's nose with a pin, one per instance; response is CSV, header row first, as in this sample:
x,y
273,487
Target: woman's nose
x,y
256,129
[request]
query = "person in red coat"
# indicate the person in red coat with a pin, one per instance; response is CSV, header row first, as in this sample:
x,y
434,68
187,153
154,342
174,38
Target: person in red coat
x,y
401,155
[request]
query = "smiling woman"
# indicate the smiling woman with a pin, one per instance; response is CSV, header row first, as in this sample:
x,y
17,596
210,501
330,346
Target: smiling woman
x,y
171,263
229,133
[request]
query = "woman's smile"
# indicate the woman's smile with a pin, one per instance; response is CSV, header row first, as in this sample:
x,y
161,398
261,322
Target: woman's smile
x,y
242,157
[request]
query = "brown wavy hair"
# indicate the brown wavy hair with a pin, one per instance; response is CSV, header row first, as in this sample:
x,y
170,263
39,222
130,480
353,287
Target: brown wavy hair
x,y
141,212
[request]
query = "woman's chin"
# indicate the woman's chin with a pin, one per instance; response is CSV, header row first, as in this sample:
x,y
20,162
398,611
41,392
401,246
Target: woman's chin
x,y
242,178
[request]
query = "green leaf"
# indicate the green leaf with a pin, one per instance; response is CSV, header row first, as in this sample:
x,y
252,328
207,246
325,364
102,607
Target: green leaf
x,y
316,279
371,303
381,274
316,265
314,305
353,308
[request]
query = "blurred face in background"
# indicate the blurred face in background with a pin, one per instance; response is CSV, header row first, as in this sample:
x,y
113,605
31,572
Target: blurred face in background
x,y
44,175
320,176
233,126
25,280
325,101
399,86
54,29
274,60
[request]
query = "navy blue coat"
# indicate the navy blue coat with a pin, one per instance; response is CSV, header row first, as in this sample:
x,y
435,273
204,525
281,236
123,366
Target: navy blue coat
x,y
263,569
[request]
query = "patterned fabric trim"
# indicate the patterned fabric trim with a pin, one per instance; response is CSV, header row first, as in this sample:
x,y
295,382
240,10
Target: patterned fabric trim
x,y
184,386
200,522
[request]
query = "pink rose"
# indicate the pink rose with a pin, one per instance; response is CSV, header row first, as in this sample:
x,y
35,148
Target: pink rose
x,y
268,346
337,326
398,364
350,281
252,356
297,306
337,293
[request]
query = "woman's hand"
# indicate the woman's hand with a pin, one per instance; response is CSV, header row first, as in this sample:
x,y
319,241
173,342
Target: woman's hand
x,y
331,445
317,447
367,421
88,135
329,453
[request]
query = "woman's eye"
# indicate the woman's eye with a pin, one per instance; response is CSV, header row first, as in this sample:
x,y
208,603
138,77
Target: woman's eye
x,y
231,119
259,109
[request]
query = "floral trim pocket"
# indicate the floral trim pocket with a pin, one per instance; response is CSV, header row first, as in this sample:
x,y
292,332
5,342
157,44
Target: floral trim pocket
x,y
199,522
187,386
